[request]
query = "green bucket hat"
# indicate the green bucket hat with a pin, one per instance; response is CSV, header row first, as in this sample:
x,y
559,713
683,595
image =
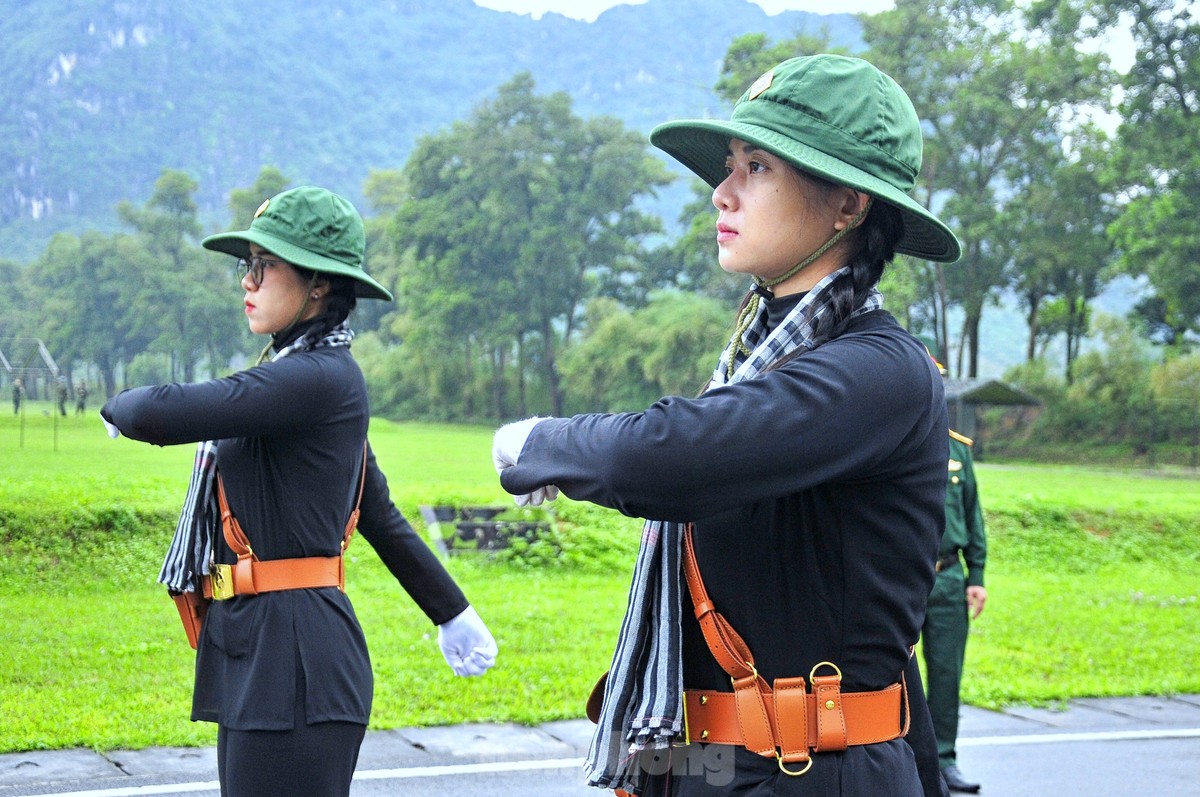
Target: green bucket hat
x,y
308,227
833,116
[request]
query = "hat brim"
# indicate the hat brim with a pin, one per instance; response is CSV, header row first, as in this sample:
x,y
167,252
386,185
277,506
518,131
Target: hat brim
x,y
238,245
702,145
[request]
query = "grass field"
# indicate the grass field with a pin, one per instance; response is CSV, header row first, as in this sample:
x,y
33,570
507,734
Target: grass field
x,y
1092,578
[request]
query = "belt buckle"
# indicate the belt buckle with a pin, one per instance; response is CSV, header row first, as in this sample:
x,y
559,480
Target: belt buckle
x,y
222,582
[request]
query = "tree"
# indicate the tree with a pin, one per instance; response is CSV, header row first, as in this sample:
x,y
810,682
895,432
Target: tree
x,y
1176,385
1055,228
543,212
1112,384
14,301
753,54
185,306
909,291
603,370
1158,160
386,191
89,310
245,202
626,359
991,94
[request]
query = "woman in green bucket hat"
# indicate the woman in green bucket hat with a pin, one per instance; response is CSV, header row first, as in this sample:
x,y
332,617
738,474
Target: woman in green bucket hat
x,y
800,496
282,665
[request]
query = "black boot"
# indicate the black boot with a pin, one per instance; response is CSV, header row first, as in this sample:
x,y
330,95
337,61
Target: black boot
x,y
956,782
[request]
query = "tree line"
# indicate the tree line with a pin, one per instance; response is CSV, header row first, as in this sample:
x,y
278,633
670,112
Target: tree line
x,y
530,276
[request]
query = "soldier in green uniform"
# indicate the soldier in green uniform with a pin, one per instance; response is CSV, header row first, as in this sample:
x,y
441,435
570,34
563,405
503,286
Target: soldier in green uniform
x,y
955,595
81,394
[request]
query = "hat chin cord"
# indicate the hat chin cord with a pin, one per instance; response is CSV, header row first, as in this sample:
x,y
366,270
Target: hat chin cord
x,y
762,290
263,355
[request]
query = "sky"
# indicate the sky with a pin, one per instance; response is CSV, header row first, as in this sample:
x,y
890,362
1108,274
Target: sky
x,y
590,9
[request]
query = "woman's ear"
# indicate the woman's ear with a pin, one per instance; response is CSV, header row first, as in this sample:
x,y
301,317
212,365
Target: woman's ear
x,y
853,207
320,289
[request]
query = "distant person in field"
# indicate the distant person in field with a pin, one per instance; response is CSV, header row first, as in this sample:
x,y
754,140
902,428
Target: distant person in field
x,y
62,393
797,503
282,664
81,395
18,395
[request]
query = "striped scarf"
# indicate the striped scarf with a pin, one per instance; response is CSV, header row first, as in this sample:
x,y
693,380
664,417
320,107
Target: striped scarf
x,y
191,552
643,700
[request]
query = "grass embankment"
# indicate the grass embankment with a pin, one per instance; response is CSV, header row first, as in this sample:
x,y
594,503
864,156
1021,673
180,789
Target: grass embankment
x,y
1093,577
1092,583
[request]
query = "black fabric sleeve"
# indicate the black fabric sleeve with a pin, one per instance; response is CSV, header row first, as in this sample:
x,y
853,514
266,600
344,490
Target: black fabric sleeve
x,y
406,555
851,409
272,398
920,733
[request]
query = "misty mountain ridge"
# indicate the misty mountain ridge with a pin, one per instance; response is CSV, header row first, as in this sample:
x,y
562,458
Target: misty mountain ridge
x,y
103,96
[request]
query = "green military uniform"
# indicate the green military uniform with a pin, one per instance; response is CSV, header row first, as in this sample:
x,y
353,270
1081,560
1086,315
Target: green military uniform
x,y
944,635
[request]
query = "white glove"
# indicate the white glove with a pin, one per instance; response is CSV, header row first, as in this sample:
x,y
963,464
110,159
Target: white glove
x,y
113,431
467,644
506,450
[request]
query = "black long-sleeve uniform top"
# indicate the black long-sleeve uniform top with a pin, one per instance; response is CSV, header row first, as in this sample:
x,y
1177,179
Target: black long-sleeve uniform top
x,y
290,450
817,493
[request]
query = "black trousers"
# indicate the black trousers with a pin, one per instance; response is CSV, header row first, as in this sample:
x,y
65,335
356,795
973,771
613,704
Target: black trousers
x,y
886,769
308,761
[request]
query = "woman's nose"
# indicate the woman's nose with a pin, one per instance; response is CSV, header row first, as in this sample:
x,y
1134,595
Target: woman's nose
x,y
723,194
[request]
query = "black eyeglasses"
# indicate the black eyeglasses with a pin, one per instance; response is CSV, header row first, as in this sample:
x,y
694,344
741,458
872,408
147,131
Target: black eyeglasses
x,y
254,267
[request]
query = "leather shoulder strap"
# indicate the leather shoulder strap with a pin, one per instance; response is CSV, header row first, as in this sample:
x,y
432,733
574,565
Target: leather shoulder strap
x,y
239,543
235,538
352,523
726,645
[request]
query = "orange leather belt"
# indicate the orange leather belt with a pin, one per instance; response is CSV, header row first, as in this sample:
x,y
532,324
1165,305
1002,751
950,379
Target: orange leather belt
x,y
252,576
800,719
781,719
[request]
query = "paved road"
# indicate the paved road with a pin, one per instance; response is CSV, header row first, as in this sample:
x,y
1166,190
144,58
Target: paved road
x,y
1124,747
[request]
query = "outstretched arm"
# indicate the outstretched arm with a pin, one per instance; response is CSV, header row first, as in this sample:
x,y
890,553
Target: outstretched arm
x,y
466,642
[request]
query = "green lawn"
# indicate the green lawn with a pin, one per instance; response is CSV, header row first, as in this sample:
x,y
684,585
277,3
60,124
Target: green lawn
x,y
1092,582
1090,488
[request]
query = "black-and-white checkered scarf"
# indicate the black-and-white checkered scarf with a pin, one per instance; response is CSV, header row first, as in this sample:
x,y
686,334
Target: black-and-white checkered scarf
x,y
643,701
188,558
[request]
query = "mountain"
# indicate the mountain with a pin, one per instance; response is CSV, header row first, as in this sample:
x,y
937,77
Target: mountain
x,y
100,97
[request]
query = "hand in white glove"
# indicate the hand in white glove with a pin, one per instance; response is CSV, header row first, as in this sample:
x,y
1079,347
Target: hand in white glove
x,y
506,450
466,643
113,431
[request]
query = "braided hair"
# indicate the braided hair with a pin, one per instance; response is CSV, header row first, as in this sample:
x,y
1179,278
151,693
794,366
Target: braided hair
x,y
339,302
874,248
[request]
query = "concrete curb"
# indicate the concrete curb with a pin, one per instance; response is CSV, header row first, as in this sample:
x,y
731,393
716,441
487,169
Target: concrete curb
x,y
417,747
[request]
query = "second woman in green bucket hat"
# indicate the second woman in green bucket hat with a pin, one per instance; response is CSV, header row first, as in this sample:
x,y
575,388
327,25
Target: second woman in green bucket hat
x,y
796,504
282,477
